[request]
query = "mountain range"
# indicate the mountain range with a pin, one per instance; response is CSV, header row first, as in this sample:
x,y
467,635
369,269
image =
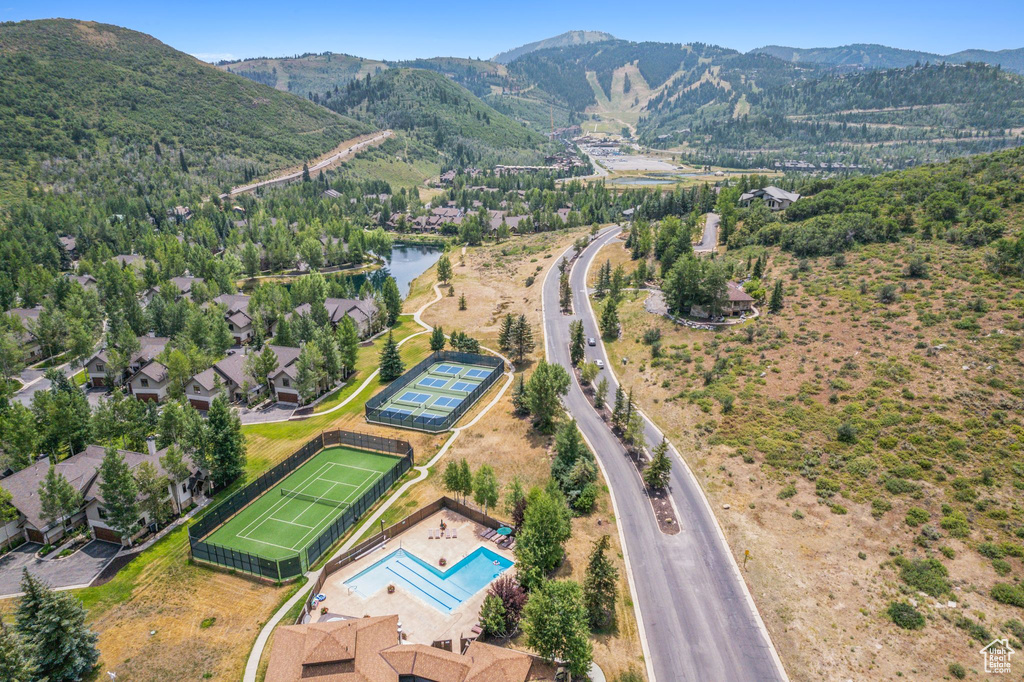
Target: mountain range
x,y
882,57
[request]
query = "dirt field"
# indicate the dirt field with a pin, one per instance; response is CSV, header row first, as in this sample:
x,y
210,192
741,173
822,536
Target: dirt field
x,y
931,389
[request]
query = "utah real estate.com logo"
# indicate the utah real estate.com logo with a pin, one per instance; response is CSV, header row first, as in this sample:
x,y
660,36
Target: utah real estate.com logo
x,y
997,656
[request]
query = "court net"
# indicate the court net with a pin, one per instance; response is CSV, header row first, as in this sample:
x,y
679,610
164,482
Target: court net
x,y
285,492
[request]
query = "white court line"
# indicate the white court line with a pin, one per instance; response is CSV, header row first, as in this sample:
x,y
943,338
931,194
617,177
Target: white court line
x,y
354,495
300,525
260,519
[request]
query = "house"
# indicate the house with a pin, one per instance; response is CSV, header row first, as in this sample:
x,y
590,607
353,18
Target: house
x,y
181,286
180,213
26,337
776,199
363,312
228,376
448,177
97,369
237,315
370,649
131,259
82,472
150,382
87,281
69,245
496,218
331,194
737,302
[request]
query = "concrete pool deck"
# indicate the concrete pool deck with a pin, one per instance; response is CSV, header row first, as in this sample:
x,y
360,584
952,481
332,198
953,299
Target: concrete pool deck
x,y
422,623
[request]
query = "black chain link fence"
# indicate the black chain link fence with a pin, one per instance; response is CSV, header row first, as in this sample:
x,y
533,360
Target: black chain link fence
x,y
294,566
376,406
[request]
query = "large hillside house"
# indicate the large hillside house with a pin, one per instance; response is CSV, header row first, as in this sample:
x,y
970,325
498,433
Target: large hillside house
x,y
82,472
26,318
774,198
371,650
181,287
738,302
98,366
229,377
363,312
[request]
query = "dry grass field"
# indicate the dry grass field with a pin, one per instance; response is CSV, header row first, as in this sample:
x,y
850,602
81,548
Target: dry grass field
x,y
869,452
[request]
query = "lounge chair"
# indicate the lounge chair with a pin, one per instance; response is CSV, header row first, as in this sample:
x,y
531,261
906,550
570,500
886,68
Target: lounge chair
x,y
476,629
430,533
488,534
453,533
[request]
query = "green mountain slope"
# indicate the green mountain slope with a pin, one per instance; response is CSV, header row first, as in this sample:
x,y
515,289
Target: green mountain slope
x,y
306,73
72,88
562,40
440,113
882,57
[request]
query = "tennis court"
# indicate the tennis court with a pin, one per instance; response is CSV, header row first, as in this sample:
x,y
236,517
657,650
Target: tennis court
x,y
296,511
432,395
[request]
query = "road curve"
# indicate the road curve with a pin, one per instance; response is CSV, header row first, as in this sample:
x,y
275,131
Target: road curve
x,y
333,158
697,619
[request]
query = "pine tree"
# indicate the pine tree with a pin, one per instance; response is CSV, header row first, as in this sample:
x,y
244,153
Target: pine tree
x,y
391,365
619,411
775,305
348,344
181,161
656,474
437,339
610,320
599,585
53,626
16,662
177,471
505,333
601,393
305,172
604,279
522,339
519,402
444,268
227,444
577,343
284,334
462,301
117,485
392,300
758,269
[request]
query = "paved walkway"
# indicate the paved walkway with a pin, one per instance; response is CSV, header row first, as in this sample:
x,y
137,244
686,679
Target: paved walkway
x,y
77,570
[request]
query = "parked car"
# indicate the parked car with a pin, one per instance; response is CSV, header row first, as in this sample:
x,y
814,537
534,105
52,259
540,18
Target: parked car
x,y
599,363
591,341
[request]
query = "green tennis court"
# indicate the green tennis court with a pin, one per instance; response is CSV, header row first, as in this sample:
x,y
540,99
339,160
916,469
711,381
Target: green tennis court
x,y
293,513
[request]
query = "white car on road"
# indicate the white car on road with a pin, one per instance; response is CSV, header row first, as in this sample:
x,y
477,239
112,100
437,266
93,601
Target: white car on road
x,y
599,363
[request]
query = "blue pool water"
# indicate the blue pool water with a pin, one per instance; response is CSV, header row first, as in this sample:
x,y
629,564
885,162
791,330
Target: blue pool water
x,y
444,590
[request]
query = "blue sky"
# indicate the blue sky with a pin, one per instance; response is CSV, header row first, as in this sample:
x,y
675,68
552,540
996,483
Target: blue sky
x,y
402,30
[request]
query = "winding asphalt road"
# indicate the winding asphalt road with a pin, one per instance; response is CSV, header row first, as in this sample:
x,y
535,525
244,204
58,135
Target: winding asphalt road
x,y
697,620
710,238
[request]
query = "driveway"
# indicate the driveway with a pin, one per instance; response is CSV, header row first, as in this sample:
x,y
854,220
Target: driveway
x,y
78,569
696,617
710,238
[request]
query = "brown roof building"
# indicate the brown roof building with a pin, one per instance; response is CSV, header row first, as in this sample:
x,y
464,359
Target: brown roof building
x,y
368,650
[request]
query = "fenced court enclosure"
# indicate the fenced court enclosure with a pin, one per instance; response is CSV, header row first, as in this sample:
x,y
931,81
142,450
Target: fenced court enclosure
x,y
283,522
434,394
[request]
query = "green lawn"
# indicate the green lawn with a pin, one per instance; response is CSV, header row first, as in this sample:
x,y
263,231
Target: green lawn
x,y
279,525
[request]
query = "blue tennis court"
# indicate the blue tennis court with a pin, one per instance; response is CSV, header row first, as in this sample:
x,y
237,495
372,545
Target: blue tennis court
x,y
433,394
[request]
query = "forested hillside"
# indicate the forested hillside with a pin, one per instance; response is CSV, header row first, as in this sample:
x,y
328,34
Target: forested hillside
x,y
561,40
882,57
439,112
304,74
98,93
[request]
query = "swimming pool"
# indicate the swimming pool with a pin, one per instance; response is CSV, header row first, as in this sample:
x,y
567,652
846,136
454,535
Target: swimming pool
x,y
443,590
